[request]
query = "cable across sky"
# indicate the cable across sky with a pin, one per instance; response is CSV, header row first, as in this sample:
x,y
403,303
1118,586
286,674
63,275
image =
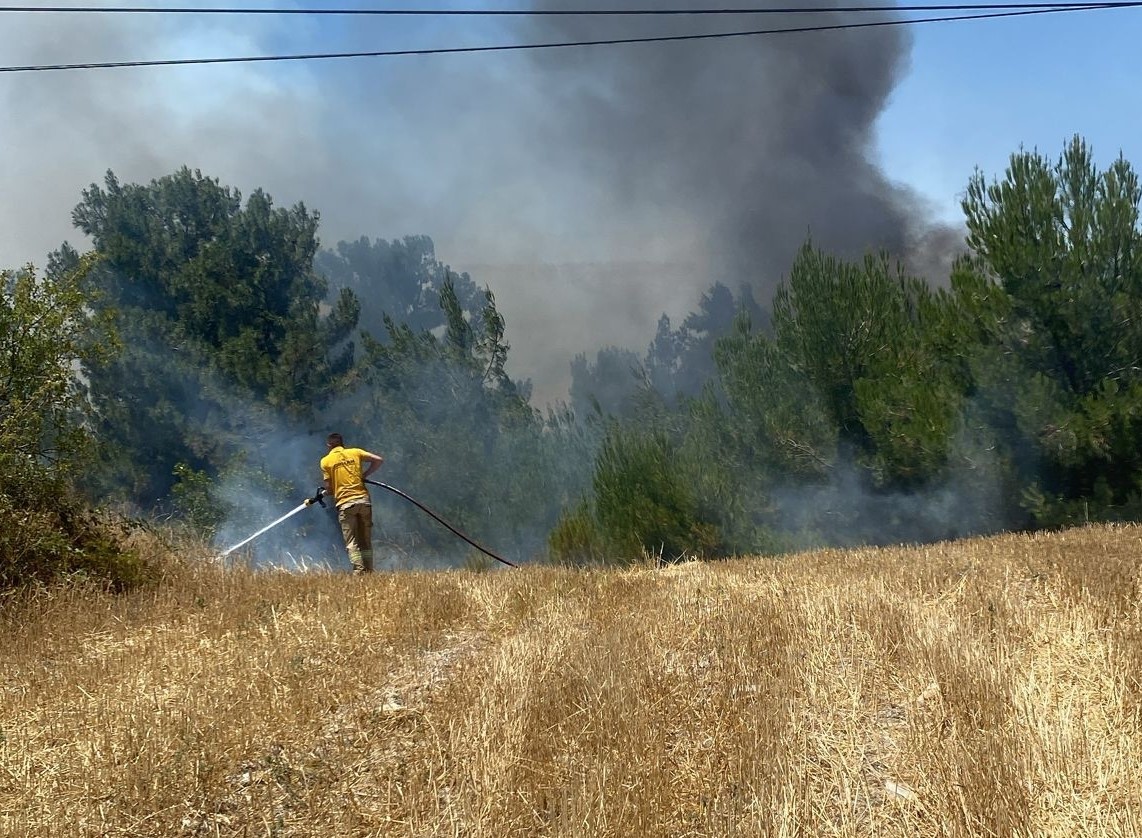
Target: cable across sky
x,y
391,53
622,12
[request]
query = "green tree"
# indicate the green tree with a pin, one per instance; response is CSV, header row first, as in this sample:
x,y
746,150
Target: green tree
x,y
400,278
680,362
47,331
774,421
1055,289
459,433
850,420
862,357
223,321
608,387
646,498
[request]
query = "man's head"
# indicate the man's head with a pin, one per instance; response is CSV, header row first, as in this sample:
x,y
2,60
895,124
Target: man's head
x,y
334,441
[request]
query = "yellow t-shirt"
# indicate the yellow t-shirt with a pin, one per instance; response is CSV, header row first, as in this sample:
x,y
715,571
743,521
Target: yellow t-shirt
x,y
342,468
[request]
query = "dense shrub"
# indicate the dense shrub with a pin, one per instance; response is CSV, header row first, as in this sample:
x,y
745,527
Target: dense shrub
x,y
643,503
46,530
48,533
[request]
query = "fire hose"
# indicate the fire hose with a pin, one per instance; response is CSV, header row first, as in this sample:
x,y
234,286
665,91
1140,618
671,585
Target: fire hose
x,y
439,520
318,498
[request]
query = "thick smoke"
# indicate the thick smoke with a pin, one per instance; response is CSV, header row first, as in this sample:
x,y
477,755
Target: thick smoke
x,y
748,144
63,130
592,188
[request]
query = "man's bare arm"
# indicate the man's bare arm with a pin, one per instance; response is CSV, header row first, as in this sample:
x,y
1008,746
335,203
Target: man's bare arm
x,y
374,461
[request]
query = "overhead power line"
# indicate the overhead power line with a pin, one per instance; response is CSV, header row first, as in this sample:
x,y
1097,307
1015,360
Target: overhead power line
x,y
410,12
178,62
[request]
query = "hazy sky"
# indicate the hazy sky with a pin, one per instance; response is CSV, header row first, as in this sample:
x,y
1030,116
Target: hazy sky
x,y
592,189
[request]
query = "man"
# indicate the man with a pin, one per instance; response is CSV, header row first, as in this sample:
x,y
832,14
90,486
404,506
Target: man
x,y
345,482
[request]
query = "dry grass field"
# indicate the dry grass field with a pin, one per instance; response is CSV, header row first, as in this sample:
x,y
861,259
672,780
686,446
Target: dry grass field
x,y
978,688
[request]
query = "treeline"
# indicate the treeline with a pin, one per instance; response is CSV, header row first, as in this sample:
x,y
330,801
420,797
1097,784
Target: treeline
x,y
229,344
216,343
871,407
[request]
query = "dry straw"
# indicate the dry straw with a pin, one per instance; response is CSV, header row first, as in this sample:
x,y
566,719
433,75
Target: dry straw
x,y
981,688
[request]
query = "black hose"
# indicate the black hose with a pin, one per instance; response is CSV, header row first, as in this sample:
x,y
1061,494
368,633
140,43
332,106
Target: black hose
x,y
425,509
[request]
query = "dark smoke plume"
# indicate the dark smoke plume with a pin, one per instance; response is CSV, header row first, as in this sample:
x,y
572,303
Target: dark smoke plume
x,y
592,188
754,143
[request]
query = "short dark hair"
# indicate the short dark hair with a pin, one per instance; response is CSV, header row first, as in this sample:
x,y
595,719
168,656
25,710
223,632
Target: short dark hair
x,y
333,440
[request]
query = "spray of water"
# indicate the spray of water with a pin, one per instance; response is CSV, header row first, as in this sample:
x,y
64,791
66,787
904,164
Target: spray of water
x,y
304,504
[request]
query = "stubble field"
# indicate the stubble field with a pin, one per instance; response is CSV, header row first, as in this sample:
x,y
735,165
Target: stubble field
x,y
990,687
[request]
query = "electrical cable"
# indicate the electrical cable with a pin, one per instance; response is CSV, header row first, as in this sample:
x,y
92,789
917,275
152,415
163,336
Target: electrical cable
x,y
179,62
409,12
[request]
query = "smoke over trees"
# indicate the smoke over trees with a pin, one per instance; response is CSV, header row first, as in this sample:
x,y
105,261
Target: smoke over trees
x,y
753,145
881,410
399,279
217,305
691,163
862,405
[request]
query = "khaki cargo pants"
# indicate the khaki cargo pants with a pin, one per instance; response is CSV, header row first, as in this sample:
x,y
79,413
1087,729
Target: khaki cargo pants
x,y
357,529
